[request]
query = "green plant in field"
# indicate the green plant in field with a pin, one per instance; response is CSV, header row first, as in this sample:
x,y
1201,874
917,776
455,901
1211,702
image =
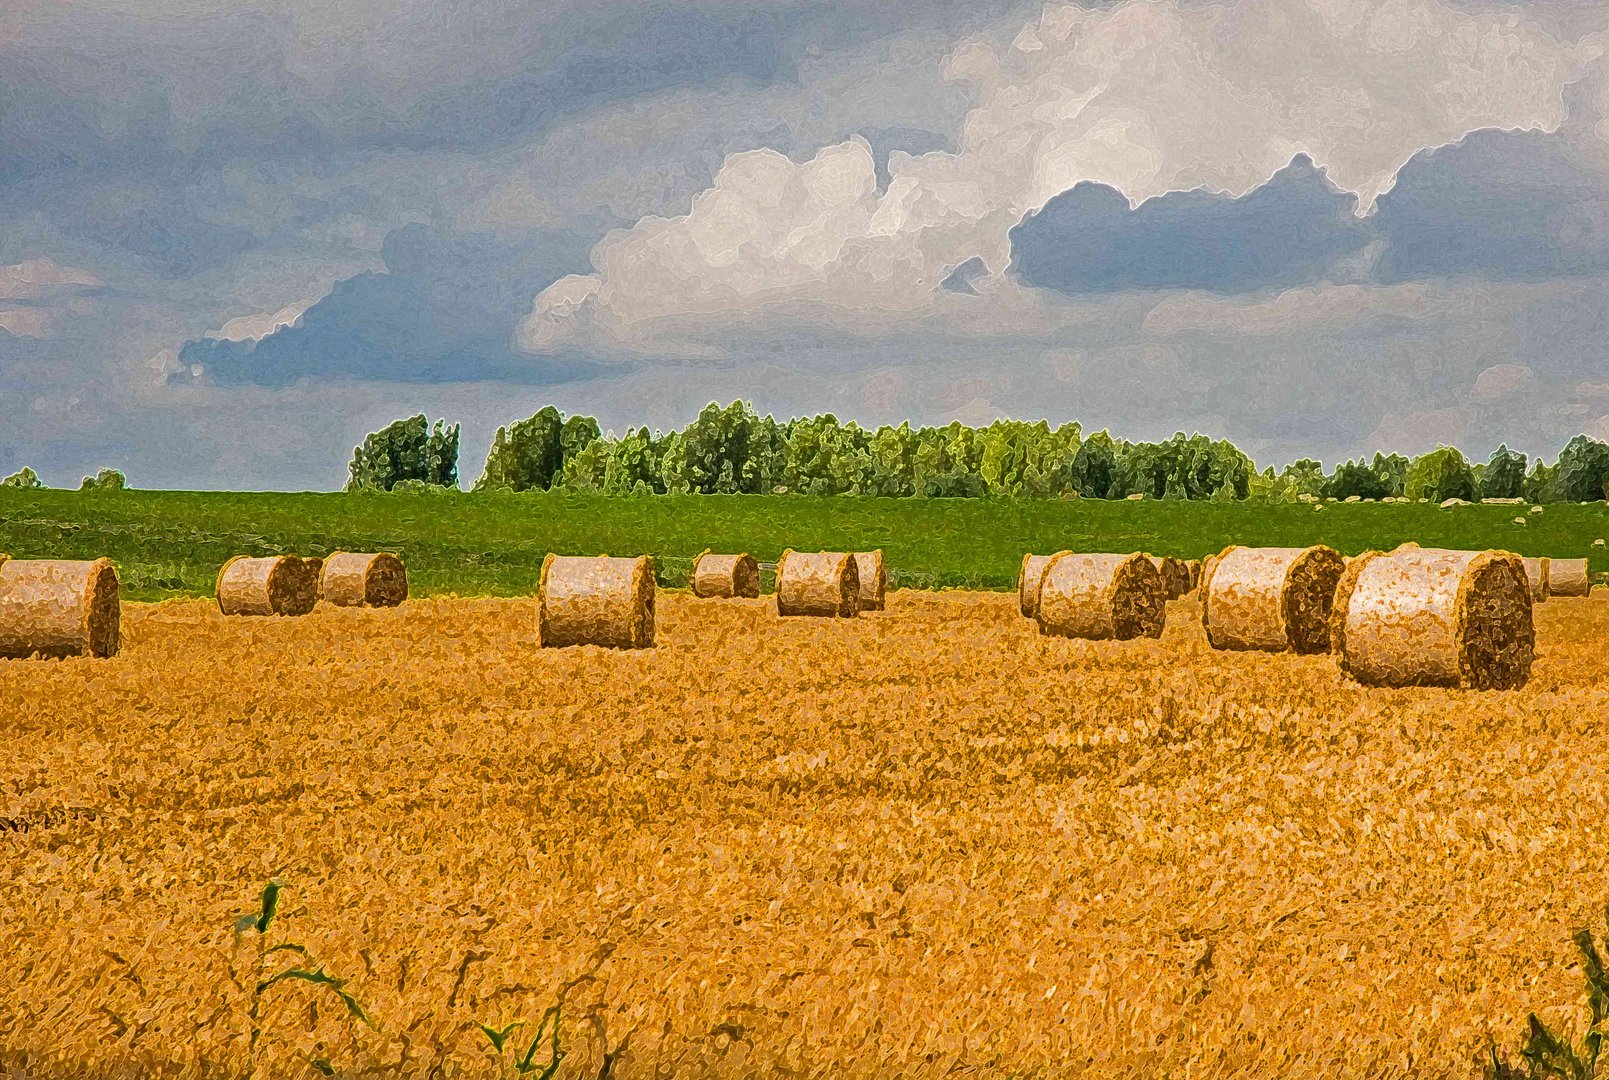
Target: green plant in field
x,y
1546,1055
526,1064
304,970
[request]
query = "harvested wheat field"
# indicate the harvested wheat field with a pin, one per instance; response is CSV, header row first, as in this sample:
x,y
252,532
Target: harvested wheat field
x,y
924,842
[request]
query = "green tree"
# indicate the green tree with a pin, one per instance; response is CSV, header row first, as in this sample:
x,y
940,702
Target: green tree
x,y
23,478
1440,475
1540,483
1582,472
527,454
1356,478
406,450
1393,470
104,480
1093,472
1504,477
1304,477
893,462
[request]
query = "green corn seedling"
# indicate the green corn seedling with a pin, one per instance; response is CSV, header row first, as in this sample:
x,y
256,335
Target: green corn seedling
x,y
303,970
1547,1056
526,1064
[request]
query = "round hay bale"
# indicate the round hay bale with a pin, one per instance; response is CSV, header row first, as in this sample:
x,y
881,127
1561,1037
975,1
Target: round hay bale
x,y
1175,575
725,576
1568,577
349,579
1536,576
1344,587
1207,565
275,585
1272,599
824,583
1433,617
1028,579
596,600
1101,597
58,608
873,580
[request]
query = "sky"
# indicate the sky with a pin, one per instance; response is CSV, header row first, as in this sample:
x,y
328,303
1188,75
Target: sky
x,y
237,235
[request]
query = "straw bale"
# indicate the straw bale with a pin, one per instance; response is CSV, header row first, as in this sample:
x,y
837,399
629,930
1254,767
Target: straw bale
x,y
824,583
1433,617
275,585
1028,579
725,576
350,579
1101,596
596,600
1536,576
873,580
1272,599
58,608
1568,577
1175,575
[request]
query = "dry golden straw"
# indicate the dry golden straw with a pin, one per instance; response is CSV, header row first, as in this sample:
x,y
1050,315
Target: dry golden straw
x,y
1568,577
349,579
1028,579
1432,617
725,576
56,608
276,585
1536,575
936,845
1272,599
824,583
1101,597
873,580
596,600
1175,575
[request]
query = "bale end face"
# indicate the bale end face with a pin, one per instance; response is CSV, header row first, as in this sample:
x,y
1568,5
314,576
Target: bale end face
x,y
1495,626
871,581
1310,598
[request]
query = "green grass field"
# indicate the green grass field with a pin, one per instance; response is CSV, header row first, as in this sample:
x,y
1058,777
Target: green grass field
x,y
171,543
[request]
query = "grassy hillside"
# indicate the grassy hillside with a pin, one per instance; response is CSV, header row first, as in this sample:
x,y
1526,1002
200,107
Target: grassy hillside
x,y
169,543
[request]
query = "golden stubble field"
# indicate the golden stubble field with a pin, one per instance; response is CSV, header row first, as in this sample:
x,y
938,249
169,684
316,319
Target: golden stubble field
x,y
920,843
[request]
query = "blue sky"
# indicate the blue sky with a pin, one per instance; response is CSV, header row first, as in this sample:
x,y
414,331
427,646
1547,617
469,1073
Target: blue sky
x,y
235,235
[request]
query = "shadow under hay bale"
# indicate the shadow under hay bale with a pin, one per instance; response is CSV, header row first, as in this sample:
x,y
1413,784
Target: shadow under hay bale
x,y
873,591
1271,599
58,608
1194,566
1568,577
1175,574
1433,617
820,583
596,600
350,579
1101,597
275,585
725,576
1028,579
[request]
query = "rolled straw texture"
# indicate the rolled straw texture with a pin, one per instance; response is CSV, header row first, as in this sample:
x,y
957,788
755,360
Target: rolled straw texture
x,y
822,583
1101,597
1272,599
275,585
873,580
1568,577
596,600
1433,617
1028,579
351,579
725,576
58,608
1536,575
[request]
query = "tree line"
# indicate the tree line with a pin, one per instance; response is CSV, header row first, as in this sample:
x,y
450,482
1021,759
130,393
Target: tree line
x,y
733,450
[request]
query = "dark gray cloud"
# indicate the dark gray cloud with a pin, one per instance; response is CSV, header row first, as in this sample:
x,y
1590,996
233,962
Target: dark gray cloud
x,y
1289,231
443,310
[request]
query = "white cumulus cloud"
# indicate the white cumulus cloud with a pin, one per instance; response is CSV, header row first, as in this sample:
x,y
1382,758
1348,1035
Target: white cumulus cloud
x,y
1148,97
